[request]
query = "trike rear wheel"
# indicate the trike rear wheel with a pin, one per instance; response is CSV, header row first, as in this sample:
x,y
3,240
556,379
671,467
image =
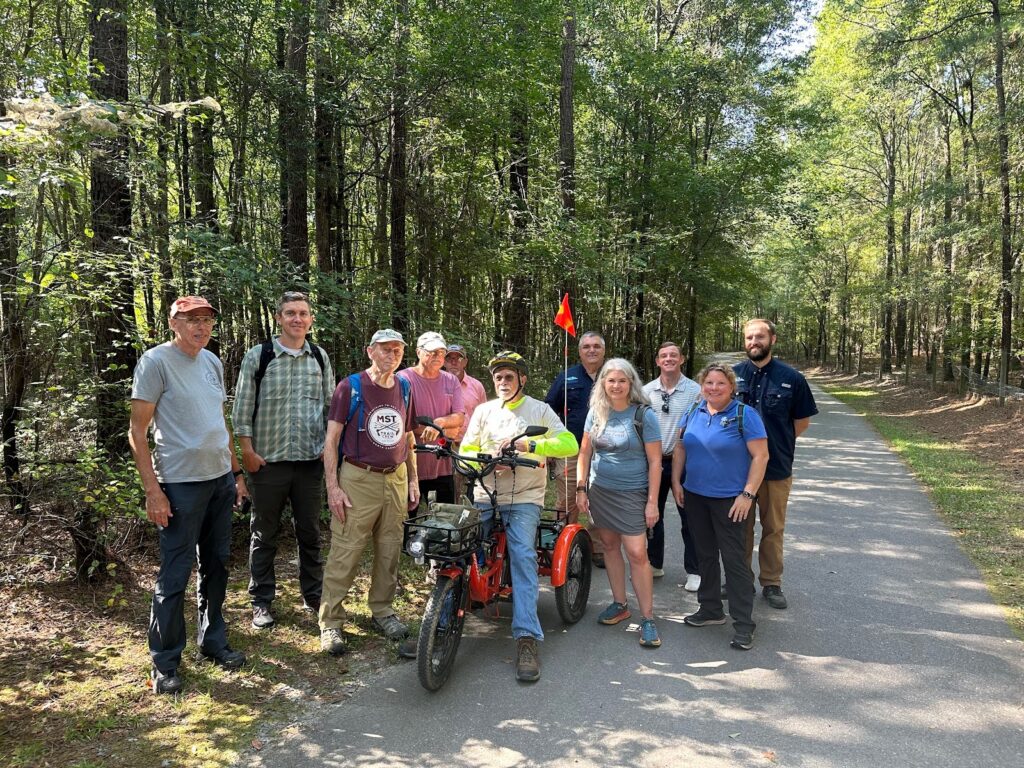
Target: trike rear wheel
x,y
441,631
571,598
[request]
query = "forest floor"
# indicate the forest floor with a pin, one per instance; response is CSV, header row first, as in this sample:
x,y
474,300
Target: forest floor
x,y
73,660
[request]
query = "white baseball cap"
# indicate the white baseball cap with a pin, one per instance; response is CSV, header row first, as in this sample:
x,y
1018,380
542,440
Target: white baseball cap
x,y
387,334
430,341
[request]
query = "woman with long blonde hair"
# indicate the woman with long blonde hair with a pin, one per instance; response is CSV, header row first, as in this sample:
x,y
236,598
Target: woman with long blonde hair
x,y
619,471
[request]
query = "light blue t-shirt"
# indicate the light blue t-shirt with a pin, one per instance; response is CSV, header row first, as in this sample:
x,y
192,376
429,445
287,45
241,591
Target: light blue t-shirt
x,y
717,459
620,461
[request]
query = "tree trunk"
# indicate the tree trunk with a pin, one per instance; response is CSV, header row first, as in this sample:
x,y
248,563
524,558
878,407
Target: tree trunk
x,y
398,172
325,173
296,126
519,289
164,132
1005,221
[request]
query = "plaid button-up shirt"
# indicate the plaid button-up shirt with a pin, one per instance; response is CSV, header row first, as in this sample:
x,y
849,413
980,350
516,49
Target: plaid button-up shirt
x,y
294,398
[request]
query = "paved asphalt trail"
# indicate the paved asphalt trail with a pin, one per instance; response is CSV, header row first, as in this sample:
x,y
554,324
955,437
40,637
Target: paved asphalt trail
x,y
891,653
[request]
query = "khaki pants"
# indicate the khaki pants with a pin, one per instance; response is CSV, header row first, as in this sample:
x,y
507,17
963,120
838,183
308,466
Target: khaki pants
x,y
772,499
565,487
379,504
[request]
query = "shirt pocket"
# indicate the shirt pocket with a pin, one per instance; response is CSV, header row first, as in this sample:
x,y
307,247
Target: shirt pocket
x,y
778,402
311,386
575,398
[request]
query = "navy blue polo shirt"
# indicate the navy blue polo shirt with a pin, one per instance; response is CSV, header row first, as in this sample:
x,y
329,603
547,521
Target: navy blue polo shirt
x,y
781,395
717,458
569,397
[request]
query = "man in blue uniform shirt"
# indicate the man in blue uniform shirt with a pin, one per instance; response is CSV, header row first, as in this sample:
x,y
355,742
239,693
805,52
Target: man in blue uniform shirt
x,y
781,395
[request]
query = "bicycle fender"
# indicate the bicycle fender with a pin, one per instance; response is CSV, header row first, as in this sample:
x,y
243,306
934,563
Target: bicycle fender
x,y
560,554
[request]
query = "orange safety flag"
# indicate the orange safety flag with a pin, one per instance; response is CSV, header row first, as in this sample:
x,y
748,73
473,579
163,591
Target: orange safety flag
x,y
563,318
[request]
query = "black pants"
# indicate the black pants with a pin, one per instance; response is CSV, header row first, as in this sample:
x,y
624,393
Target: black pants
x,y
299,483
714,533
656,544
444,492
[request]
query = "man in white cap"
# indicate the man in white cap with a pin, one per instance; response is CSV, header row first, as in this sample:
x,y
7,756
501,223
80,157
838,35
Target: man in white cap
x,y
438,395
473,392
369,428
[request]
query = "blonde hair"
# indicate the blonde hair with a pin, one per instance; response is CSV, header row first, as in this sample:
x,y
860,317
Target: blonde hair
x,y
599,402
725,370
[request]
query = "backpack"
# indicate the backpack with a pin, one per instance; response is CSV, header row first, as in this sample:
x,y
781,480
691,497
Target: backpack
x,y
638,421
739,415
266,355
355,402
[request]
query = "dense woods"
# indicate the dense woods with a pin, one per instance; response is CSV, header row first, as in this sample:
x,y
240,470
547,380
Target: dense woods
x,y
453,165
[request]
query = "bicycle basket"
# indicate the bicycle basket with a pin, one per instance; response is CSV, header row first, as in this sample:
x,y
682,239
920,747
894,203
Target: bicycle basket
x,y
449,531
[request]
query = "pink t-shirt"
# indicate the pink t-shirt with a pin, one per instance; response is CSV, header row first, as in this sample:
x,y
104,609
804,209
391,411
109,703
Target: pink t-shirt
x,y
380,438
434,398
473,394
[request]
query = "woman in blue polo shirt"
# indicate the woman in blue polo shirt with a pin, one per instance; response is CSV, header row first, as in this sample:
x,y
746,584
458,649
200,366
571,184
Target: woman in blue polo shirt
x,y
724,448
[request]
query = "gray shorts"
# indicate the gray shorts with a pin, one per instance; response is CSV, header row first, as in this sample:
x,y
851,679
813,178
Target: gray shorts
x,y
619,511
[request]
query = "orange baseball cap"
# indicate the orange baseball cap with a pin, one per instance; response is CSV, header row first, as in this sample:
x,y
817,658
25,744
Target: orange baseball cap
x,y
188,303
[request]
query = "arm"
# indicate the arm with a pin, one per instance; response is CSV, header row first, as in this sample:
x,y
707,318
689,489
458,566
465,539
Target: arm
x,y
158,508
741,505
241,411
678,462
583,474
557,443
241,492
337,499
410,468
653,451
800,425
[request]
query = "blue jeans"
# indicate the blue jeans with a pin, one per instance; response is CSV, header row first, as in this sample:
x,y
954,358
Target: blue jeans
x,y
200,527
521,522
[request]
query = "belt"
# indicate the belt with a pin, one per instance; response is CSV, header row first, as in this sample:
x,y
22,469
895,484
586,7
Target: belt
x,y
370,467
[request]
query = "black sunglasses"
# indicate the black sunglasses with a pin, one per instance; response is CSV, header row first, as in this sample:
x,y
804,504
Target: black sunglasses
x,y
664,401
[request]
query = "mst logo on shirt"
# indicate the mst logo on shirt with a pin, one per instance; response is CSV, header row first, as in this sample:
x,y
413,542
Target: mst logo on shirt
x,y
384,426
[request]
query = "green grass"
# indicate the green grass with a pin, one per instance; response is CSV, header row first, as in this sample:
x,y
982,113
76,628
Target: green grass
x,y
972,495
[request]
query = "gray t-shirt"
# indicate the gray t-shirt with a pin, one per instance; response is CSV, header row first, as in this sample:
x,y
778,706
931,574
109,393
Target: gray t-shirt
x,y
620,459
189,434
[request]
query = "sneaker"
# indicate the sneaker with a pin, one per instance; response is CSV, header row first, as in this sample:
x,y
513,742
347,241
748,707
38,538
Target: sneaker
x,y
527,659
165,682
261,617
332,642
598,559
742,641
657,572
692,582
311,606
226,657
703,618
391,627
407,649
614,613
649,633
773,594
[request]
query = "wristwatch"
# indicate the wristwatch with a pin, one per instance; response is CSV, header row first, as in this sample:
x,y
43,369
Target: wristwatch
x,y
532,446
238,473
749,495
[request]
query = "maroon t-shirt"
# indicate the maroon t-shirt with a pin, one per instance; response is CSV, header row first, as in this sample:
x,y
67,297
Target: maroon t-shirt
x,y
380,439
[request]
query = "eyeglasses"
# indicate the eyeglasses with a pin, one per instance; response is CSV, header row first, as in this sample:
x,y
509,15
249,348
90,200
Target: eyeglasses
x,y
195,322
665,397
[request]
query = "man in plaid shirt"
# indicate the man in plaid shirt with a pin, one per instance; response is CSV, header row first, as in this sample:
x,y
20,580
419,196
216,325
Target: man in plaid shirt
x,y
282,451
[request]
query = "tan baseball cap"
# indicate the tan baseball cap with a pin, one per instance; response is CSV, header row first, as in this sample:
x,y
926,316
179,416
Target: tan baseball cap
x,y
189,303
430,341
387,334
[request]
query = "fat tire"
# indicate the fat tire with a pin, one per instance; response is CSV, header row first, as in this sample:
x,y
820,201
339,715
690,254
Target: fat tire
x,y
571,598
441,631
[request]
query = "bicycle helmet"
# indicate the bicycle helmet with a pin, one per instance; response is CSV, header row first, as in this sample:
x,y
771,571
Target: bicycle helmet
x,y
508,359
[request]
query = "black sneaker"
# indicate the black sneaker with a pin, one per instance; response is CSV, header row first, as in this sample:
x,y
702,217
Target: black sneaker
x,y
703,618
773,594
226,657
742,641
262,618
165,682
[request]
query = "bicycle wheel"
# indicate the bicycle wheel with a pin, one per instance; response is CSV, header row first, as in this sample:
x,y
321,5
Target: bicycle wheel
x,y
441,631
571,598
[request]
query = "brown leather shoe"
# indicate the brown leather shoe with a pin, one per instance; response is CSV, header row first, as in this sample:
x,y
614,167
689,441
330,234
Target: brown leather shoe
x,y
527,660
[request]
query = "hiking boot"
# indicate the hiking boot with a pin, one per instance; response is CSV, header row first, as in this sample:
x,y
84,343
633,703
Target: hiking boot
x,y
261,617
692,582
649,633
742,641
332,642
391,627
226,657
527,659
773,594
614,613
407,648
165,682
703,618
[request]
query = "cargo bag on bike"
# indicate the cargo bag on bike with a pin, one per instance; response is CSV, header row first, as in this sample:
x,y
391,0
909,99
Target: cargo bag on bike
x,y
449,531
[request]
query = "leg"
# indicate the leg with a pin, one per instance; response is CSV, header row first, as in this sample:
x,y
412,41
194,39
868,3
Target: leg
x,y
393,492
348,540
270,487
307,502
177,556
640,572
739,579
611,543
521,531
698,515
773,498
214,550
656,544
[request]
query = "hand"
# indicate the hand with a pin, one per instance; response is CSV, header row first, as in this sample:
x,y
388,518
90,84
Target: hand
x,y
651,514
252,461
677,494
582,503
740,509
429,435
414,494
158,508
337,501
241,492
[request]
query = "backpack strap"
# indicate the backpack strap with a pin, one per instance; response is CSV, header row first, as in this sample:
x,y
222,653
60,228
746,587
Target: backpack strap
x,y
739,417
638,420
266,355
